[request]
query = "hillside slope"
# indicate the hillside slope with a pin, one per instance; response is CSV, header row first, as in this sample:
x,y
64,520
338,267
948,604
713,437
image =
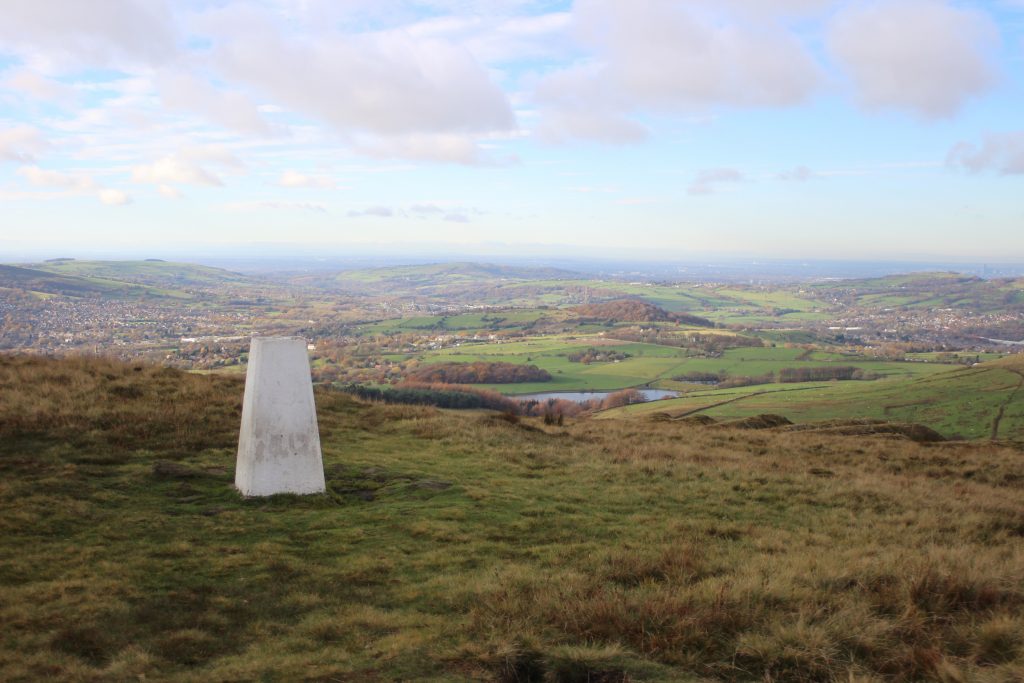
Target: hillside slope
x,y
928,290
47,282
153,272
470,546
983,401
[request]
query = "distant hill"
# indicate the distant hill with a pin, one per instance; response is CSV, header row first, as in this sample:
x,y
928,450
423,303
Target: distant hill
x,y
636,310
48,282
152,272
460,270
928,290
435,275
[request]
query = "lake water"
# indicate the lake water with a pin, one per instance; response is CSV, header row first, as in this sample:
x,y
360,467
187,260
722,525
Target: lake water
x,y
581,396
1004,342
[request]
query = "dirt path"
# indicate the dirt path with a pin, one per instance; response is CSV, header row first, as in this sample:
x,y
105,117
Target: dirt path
x,y
999,413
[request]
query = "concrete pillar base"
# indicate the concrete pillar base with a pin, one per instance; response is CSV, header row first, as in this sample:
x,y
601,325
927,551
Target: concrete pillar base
x,y
279,443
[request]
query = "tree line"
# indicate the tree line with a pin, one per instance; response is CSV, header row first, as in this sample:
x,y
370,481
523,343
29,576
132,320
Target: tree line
x,y
478,373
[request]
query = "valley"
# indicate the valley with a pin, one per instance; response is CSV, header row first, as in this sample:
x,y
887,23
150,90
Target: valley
x,y
880,348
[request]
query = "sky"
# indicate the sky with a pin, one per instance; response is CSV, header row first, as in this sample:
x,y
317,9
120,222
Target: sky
x,y
885,130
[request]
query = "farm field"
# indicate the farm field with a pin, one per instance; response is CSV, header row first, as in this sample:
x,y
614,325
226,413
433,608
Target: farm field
x,y
978,402
650,364
493,320
720,303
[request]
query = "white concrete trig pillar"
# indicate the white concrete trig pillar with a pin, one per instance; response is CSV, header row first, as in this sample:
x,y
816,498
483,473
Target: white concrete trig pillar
x,y
279,443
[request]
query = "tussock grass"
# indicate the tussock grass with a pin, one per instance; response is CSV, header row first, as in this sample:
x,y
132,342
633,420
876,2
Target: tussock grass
x,y
469,546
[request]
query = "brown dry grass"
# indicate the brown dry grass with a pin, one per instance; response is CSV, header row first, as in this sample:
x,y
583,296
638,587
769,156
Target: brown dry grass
x,y
464,546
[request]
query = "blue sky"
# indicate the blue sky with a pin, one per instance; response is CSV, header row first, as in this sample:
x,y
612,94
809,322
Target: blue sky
x,y
889,129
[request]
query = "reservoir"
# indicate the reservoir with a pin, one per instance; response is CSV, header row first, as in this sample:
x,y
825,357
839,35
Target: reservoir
x,y
581,396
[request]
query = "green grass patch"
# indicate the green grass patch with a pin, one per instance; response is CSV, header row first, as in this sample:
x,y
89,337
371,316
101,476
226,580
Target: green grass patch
x,y
465,547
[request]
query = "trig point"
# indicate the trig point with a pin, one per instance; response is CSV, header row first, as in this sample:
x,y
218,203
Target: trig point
x,y
279,444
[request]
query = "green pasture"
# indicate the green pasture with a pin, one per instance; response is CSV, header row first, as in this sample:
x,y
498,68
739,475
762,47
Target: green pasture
x,y
488,321
648,363
961,402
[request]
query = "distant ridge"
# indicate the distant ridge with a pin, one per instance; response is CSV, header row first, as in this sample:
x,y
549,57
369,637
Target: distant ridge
x,y
46,282
117,279
461,269
465,276
152,272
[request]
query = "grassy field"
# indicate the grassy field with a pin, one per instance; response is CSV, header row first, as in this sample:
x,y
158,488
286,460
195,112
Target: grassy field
x,y
973,402
458,547
651,363
482,322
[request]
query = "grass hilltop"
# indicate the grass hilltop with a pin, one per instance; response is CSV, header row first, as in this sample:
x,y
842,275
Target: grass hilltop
x,y
476,546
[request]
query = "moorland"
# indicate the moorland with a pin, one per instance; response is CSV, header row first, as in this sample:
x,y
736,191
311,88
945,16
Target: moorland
x,y
479,545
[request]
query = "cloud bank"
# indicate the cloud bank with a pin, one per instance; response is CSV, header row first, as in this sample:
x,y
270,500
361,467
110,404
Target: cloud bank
x,y
925,56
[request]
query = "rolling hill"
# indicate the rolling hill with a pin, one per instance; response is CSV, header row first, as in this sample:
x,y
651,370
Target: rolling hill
x,y
636,310
73,285
152,272
982,401
928,290
474,546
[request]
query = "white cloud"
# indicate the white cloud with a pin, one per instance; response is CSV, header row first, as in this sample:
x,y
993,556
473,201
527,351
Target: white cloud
x,y
448,211
707,181
182,91
112,197
96,32
498,38
73,183
377,211
20,144
217,154
451,148
38,87
773,8
925,56
384,83
564,123
1002,153
48,178
174,170
667,56
186,167
169,192
292,178
426,209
